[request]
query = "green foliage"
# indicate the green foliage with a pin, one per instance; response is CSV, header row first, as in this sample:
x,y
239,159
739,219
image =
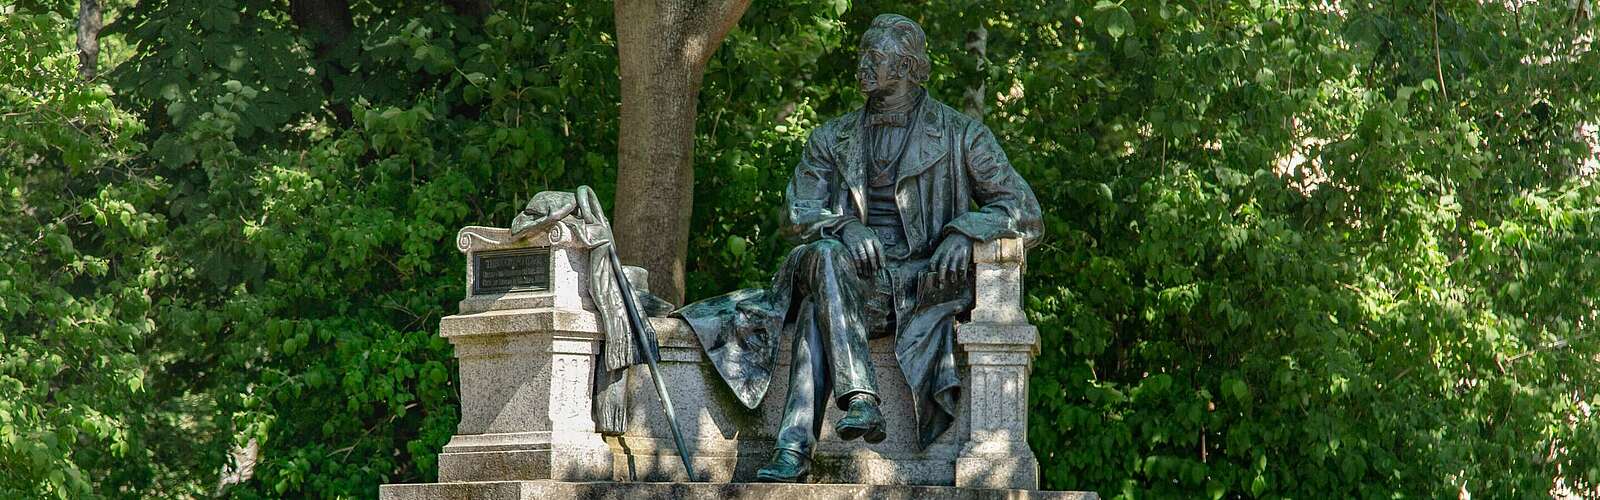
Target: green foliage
x,y
1288,259
80,275
1293,250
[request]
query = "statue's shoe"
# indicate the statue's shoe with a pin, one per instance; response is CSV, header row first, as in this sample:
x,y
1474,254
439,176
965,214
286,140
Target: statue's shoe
x,y
787,466
863,420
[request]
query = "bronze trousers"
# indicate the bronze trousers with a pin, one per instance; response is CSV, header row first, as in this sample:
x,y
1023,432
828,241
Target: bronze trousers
x,y
830,342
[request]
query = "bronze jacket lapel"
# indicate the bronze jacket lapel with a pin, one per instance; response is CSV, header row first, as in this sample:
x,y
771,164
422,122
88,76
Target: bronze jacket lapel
x,y
848,152
932,147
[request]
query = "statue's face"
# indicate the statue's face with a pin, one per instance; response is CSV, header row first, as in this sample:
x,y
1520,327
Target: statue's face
x,y
883,66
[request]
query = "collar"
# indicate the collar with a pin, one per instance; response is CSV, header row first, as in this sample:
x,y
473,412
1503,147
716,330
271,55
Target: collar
x,y
895,114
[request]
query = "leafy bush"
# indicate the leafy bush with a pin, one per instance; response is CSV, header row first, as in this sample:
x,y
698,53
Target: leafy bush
x,y
1310,251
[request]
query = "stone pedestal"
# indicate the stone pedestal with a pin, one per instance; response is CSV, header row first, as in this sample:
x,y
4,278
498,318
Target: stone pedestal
x,y
527,359
527,340
998,346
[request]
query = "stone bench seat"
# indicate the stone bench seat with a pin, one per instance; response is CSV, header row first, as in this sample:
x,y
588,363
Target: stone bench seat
x,y
729,442
527,365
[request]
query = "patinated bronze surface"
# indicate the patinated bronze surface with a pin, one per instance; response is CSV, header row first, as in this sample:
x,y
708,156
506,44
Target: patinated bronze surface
x,y
885,204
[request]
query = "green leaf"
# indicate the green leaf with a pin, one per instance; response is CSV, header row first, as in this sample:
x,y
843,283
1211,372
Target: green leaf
x,y
1237,389
1118,22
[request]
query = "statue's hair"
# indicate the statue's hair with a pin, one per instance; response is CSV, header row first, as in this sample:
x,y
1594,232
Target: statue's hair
x,y
908,36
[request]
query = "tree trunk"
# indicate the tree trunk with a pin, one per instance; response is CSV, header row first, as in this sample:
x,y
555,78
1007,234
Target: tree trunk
x,y
89,23
662,46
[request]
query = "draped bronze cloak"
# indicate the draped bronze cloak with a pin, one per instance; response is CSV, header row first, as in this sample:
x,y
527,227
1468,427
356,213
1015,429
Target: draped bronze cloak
x,y
954,178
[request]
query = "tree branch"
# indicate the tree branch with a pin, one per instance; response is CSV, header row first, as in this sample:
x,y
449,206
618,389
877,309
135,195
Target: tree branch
x,y
1438,65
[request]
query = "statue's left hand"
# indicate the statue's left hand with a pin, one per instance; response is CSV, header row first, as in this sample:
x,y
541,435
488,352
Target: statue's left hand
x,y
952,259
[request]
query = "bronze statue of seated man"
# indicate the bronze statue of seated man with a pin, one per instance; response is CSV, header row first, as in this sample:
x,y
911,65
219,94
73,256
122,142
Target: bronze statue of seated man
x,y
886,202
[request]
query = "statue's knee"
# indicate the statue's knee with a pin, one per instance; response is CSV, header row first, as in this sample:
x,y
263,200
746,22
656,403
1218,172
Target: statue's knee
x,y
828,249
824,257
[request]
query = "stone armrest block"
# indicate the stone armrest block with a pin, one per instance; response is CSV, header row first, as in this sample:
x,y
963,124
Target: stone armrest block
x,y
998,267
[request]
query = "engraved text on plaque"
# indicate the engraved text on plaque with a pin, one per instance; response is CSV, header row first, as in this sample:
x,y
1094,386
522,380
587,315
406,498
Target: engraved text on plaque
x,y
518,270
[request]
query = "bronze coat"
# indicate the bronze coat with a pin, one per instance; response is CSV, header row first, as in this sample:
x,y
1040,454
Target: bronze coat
x,y
954,178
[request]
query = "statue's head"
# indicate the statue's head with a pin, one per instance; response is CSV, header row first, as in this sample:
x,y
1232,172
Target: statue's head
x,y
894,51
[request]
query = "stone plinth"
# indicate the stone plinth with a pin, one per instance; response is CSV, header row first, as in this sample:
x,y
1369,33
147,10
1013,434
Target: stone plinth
x,y
527,362
533,490
997,346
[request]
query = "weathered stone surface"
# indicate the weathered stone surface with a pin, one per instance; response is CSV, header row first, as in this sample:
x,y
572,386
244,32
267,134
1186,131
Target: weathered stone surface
x,y
530,490
997,348
525,397
729,442
998,286
569,264
527,361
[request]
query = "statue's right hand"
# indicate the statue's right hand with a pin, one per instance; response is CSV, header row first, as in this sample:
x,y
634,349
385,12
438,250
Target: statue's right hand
x,y
865,250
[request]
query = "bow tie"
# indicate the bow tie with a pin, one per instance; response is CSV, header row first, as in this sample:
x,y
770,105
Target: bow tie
x,y
890,119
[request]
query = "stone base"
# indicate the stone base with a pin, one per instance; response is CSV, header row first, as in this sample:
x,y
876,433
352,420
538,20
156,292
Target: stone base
x,y
997,471
834,462
522,456
531,490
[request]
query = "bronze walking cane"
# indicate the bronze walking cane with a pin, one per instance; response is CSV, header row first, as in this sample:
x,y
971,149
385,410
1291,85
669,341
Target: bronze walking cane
x,y
646,336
